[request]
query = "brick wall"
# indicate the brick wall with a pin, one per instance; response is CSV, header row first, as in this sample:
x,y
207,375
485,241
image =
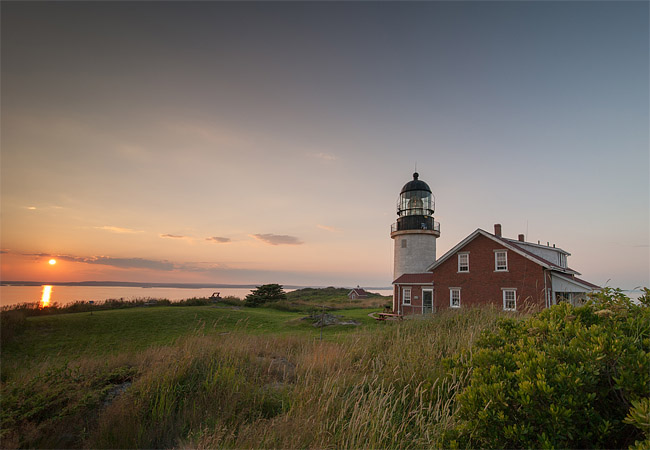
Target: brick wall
x,y
416,299
482,285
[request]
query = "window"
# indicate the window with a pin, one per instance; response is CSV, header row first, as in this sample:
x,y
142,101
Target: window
x,y
510,299
406,296
501,261
454,297
463,262
403,243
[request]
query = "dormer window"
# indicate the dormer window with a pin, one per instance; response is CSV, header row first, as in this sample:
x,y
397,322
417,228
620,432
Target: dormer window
x,y
500,261
463,262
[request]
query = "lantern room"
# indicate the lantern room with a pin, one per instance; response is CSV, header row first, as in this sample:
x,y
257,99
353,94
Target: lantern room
x,y
415,206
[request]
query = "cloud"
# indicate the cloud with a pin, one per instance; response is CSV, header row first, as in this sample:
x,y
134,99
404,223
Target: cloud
x,y
330,229
173,236
124,263
325,156
219,240
41,208
118,229
278,239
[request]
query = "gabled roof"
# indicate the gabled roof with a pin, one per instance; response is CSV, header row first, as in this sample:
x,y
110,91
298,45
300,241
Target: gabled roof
x,y
359,291
415,278
507,243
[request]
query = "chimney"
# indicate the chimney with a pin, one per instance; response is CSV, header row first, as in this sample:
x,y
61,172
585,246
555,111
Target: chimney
x,y
521,238
497,229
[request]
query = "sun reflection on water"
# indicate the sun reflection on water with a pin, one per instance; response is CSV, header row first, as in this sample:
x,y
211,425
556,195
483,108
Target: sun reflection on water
x,y
45,297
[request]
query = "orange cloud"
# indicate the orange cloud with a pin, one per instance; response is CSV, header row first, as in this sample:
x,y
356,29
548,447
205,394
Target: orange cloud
x,y
278,239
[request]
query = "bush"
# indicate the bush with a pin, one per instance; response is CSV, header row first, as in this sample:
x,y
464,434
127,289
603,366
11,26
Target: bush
x,y
231,300
565,378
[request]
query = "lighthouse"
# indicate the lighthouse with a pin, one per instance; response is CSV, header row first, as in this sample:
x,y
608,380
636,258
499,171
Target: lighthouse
x,y
415,231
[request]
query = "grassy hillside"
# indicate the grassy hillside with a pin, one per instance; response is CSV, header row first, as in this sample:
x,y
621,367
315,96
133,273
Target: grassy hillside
x,y
336,298
210,377
215,377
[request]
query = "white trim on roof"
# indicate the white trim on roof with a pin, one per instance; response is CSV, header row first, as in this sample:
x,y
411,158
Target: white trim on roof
x,y
545,247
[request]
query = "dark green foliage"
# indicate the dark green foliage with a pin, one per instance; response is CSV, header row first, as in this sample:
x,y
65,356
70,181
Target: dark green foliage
x,y
11,324
565,378
265,293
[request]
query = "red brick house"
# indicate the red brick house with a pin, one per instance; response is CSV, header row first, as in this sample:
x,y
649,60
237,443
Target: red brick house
x,y
357,293
487,268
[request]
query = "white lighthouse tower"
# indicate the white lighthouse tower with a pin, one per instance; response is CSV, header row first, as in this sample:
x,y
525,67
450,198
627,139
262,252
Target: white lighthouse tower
x,y
415,231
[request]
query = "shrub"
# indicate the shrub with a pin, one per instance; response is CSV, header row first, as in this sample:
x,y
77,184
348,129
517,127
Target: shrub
x,y
564,378
231,300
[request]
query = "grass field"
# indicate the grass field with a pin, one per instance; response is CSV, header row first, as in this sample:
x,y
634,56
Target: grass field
x,y
206,377
68,336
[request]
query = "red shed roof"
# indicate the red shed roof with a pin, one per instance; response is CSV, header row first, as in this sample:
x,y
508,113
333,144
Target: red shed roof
x,y
415,278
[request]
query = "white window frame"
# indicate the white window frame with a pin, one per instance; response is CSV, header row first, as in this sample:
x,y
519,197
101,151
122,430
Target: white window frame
x,y
496,261
451,297
406,297
460,255
505,292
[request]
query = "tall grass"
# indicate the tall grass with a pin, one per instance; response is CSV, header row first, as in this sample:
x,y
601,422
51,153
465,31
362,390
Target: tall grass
x,y
382,389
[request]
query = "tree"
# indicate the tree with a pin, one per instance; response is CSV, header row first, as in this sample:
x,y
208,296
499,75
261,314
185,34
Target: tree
x,y
265,293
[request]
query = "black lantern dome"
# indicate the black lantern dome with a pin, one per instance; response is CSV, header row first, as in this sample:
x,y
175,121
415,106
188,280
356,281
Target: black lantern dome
x,y
415,206
415,185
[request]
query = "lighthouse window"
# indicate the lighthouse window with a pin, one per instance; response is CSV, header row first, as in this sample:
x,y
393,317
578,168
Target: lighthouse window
x,y
403,243
406,296
463,262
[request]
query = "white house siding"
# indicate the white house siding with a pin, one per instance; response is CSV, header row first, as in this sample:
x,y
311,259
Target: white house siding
x,y
550,254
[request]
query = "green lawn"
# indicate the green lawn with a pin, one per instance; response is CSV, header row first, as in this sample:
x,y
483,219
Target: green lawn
x,y
70,336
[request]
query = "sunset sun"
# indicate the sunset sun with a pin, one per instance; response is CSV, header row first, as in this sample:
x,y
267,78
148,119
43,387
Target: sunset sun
x,y
52,261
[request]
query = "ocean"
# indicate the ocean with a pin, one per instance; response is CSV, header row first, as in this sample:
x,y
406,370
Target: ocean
x,y
13,295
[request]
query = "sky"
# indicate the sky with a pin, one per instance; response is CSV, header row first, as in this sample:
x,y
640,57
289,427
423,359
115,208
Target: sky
x,y
219,142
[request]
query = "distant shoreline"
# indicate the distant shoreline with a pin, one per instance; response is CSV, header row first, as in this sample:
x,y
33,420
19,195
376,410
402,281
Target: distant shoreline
x,y
156,285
